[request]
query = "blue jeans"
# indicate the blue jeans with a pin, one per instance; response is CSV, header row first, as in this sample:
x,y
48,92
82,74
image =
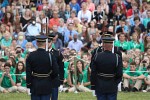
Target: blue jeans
x,y
106,96
40,97
54,94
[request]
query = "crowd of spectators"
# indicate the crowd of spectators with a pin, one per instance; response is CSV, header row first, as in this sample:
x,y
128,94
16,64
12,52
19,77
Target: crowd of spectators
x,y
78,26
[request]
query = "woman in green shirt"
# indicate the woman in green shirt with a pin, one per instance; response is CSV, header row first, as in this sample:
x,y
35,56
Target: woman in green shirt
x,y
21,79
135,43
13,64
79,77
7,80
122,42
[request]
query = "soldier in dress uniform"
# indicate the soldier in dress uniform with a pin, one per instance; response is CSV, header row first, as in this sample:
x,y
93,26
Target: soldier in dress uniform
x,y
58,81
41,68
107,72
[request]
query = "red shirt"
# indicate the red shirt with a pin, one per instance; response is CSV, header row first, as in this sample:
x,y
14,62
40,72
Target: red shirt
x,y
129,13
53,22
115,7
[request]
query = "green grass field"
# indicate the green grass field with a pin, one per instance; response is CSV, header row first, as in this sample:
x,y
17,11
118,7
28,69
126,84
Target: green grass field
x,y
78,96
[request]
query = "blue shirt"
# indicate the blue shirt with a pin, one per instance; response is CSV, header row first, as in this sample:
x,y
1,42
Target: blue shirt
x,y
67,33
61,30
75,45
23,44
75,7
132,23
125,28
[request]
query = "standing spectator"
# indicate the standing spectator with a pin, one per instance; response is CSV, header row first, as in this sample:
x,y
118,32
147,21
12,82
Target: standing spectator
x,y
75,43
74,6
7,80
54,21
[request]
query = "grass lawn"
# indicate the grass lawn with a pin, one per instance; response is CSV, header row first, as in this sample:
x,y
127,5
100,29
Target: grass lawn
x,y
79,96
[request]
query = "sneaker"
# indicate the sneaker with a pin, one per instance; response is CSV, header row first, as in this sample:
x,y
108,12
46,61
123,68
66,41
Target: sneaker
x,y
134,89
144,91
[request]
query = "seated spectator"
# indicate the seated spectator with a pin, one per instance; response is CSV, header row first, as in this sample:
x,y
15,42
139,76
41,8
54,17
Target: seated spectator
x,y
57,43
119,3
130,13
6,41
61,29
137,61
69,33
74,6
84,15
122,42
72,17
21,79
61,4
104,6
147,41
12,63
90,5
119,14
122,27
67,13
7,81
146,20
77,25
21,40
93,43
80,86
136,14
135,43
98,14
25,19
132,79
54,21
75,43
137,24
33,30
147,80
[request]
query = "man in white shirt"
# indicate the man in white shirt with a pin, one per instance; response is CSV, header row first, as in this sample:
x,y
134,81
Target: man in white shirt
x,y
75,43
33,30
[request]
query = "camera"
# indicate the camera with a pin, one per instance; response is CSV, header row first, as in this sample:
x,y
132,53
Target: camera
x,y
18,52
111,22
